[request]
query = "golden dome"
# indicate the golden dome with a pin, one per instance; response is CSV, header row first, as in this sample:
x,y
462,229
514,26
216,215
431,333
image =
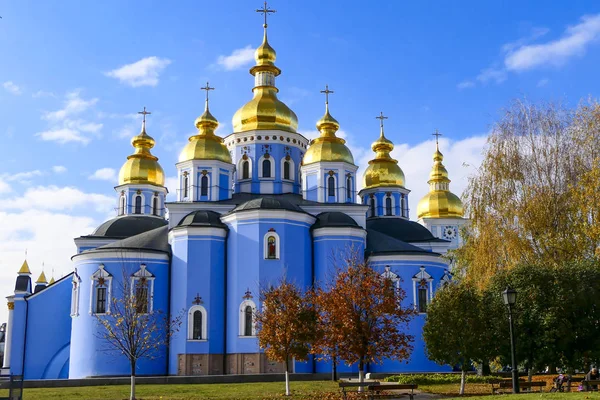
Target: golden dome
x,y
327,147
25,268
42,278
142,167
205,145
440,202
265,111
383,170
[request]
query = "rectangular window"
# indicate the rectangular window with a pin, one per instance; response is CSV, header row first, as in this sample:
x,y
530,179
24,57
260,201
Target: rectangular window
x,y
422,300
100,300
75,299
141,298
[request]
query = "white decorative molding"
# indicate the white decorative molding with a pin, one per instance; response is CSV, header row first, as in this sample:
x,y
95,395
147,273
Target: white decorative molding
x,y
143,273
100,274
203,328
266,245
242,320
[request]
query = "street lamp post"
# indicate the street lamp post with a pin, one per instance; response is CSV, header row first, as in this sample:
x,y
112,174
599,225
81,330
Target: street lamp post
x,y
510,298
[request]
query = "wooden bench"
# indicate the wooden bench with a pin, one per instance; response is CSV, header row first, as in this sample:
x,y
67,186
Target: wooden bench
x,y
528,386
380,391
589,385
14,385
506,385
354,385
567,385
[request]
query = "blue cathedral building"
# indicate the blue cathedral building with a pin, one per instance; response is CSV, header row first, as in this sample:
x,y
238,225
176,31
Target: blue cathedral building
x,y
262,203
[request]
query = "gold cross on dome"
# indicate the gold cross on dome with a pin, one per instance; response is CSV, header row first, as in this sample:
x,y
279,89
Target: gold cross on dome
x,y
144,113
207,88
266,11
437,135
327,91
381,117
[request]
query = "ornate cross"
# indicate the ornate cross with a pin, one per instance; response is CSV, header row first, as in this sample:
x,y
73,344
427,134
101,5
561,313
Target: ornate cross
x,y
144,113
197,300
327,91
381,117
437,135
207,88
266,11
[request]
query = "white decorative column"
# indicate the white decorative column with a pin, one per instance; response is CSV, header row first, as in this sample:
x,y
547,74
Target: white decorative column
x,y
8,337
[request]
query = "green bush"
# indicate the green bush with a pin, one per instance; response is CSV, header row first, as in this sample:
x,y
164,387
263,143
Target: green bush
x,y
438,379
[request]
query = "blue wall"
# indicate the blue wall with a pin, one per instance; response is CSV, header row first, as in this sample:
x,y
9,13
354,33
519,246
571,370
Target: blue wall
x,y
49,332
88,353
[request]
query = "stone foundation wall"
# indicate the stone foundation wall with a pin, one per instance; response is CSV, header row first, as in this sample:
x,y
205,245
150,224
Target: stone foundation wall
x,y
200,364
253,363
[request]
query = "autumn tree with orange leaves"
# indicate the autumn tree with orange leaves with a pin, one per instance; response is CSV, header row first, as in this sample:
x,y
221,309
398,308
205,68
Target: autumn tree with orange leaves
x,y
360,317
286,324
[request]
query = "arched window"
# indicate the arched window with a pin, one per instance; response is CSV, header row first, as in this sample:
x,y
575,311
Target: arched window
x,y
286,170
122,205
248,323
349,188
422,290
138,205
403,205
266,168
331,186
100,293
422,299
141,296
204,186
388,205
245,169
186,186
76,282
155,205
197,323
372,206
271,247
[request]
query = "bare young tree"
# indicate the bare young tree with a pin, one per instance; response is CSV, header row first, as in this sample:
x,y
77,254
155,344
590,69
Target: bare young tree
x,y
131,327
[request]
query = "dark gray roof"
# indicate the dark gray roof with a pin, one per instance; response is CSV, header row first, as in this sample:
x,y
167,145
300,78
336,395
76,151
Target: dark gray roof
x,y
267,203
380,243
130,225
155,240
334,219
202,218
23,283
402,229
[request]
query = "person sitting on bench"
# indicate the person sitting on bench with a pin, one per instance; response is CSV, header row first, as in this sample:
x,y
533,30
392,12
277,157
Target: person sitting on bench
x,y
593,375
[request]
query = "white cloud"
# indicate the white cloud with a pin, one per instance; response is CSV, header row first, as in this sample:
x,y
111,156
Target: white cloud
x,y
535,33
58,199
4,186
172,184
20,176
491,74
42,93
542,82
10,87
574,42
465,85
73,105
237,59
63,135
104,174
59,169
144,72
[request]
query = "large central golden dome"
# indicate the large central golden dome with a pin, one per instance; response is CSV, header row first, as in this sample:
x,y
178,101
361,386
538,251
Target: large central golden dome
x,y
142,167
265,111
383,170
328,147
205,145
440,202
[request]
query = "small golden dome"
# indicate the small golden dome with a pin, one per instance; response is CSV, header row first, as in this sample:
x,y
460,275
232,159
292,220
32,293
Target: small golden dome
x,y
42,278
265,111
142,167
383,170
440,202
25,268
327,147
205,145
51,281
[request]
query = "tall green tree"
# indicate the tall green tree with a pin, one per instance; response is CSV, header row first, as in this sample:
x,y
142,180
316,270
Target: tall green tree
x,y
456,331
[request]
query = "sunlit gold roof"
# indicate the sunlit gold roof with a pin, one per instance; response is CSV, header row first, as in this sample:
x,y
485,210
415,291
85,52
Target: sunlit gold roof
x,y
25,268
265,111
440,202
383,170
142,166
205,145
42,278
51,281
327,147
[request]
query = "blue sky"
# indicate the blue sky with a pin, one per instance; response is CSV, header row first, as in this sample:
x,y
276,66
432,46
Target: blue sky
x,y
74,73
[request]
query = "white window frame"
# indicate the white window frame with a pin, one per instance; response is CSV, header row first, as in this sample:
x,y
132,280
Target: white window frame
x,y
76,282
260,168
144,273
266,246
142,205
204,327
242,320
374,213
208,185
292,169
403,205
241,169
155,210
446,279
100,273
393,205
122,204
389,274
422,274
185,186
349,179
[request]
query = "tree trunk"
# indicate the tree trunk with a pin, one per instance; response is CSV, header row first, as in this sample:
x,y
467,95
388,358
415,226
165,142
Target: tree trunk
x,y
334,369
463,381
529,374
361,374
132,392
287,380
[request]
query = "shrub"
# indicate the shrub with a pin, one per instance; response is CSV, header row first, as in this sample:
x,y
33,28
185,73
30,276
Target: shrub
x,y
438,379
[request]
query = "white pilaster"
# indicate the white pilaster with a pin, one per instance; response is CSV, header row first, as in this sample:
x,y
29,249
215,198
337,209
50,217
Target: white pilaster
x,y
8,336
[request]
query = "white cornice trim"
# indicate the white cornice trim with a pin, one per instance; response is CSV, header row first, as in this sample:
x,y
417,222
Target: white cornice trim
x,y
211,163
342,231
125,254
136,186
268,215
399,257
197,231
231,140
367,191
